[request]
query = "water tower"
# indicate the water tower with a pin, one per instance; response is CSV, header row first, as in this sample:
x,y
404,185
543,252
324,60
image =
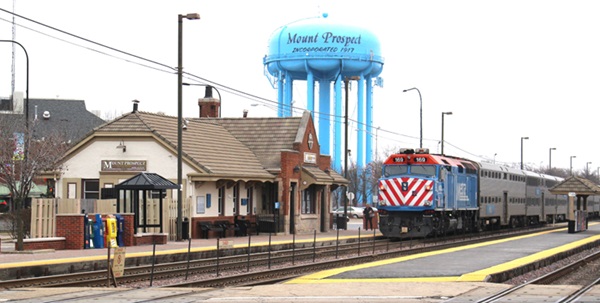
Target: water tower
x,y
317,50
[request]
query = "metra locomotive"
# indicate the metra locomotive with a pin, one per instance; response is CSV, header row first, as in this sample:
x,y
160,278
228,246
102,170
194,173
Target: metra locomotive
x,y
422,194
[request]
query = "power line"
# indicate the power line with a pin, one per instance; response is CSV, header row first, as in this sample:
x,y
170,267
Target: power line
x,y
171,70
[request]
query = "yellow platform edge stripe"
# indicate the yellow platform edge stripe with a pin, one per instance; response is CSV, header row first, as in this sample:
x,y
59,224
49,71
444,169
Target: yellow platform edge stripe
x,y
477,276
62,260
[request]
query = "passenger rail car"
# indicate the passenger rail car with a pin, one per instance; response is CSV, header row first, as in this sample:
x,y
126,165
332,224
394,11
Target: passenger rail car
x,y
422,194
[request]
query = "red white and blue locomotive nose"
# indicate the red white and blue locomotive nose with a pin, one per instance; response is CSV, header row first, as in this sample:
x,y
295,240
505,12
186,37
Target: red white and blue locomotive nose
x,y
406,191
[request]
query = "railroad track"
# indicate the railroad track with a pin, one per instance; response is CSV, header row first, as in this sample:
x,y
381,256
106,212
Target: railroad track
x,y
258,268
570,272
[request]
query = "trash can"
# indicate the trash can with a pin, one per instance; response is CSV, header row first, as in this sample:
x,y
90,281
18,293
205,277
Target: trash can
x,y
571,227
185,228
341,221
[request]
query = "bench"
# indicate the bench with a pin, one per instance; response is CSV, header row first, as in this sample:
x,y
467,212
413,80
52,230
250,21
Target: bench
x,y
242,227
217,227
228,226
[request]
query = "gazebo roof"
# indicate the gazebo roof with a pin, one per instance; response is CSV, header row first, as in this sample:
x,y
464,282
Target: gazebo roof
x,y
579,186
146,181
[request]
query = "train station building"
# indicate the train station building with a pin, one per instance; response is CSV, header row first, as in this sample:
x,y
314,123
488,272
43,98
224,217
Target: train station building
x,y
259,169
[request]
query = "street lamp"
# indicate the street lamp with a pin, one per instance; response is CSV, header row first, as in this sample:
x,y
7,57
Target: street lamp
x,y
19,203
550,157
193,16
345,194
522,138
444,113
208,93
420,115
587,167
571,165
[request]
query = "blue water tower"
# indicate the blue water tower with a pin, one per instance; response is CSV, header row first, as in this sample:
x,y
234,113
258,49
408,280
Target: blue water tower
x,y
318,50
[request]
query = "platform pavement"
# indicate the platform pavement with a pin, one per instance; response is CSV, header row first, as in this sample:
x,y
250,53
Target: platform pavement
x,y
10,258
478,262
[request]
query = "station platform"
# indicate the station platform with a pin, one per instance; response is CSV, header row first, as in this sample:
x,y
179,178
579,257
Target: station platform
x,y
10,259
471,263
452,275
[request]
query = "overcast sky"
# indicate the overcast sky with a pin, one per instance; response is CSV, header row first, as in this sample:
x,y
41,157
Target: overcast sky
x,y
506,69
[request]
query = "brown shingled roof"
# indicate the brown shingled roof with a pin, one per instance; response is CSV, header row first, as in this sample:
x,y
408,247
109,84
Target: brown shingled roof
x,y
266,137
208,146
579,186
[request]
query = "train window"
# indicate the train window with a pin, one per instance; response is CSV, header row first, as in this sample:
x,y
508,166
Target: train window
x,y
425,170
505,176
469,167
393,170
460,169
533,181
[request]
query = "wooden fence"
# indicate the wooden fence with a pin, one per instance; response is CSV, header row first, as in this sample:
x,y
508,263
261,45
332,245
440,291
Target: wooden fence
x,y
43,213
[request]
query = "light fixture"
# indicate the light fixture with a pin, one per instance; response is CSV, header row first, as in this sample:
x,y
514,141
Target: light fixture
x,y
297,169
444,113
420,114
122,146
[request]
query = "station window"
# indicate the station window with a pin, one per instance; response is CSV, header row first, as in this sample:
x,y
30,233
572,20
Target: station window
x,y
221,201
250,197
308,201
91,189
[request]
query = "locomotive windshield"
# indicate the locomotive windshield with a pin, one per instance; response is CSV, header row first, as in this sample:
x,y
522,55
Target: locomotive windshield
x,y
422,170
394,170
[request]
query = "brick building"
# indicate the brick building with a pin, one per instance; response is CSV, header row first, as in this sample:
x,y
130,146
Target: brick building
x,y
251,167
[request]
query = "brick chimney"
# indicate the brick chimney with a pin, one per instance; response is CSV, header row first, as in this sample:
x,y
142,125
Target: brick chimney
x,y
210,107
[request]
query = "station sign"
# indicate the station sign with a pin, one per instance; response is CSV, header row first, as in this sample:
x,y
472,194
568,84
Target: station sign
x,y
123,165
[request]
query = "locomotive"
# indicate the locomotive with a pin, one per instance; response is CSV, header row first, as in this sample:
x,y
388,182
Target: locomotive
x,y
422,194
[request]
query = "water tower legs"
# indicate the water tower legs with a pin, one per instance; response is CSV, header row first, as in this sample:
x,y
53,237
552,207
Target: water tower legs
x,y
325,117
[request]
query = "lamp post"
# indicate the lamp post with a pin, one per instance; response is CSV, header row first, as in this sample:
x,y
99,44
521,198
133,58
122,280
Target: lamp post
x,y
444,113
19,202
587,168
420,115
550,157
571,165
193,16
522,138
208,92
345,194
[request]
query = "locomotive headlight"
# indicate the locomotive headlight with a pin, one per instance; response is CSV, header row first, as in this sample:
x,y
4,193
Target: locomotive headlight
x,y
382,186
428,187
427,203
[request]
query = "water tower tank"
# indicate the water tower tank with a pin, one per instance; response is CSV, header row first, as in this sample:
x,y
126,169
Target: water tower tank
x,y
321,50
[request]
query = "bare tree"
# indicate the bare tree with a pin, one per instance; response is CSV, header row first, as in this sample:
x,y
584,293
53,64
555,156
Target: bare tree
x,y
25,157
364,181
